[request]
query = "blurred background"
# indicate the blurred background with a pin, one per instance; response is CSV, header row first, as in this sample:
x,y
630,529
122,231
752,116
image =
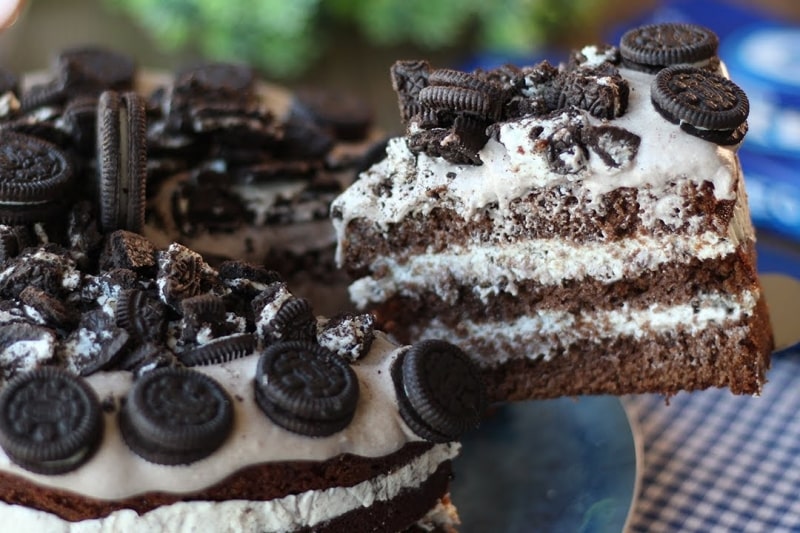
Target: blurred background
x,y
350,45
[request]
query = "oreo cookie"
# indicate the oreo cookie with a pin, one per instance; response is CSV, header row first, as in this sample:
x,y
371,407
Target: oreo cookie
x,y
439,390
121,161
35,176
408,79
175,416
653,47
50,421
704,104
306,389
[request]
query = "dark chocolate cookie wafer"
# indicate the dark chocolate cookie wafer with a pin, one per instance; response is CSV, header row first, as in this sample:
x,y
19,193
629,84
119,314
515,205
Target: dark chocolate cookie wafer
x,y
408,79
653,47
50,421
141,315
175,416
306,388
122,161
439,390
220,350
704,104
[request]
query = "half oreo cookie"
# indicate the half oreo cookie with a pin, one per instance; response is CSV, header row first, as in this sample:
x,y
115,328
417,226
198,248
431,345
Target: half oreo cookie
x,y
121,160
50,421
439,390
175,416
704,104
306,388
653,47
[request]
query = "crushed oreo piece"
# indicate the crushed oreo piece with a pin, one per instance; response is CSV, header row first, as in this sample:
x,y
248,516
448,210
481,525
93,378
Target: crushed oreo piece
x,y
566,152
126,249
95,344
408,79
141,315
280,316
344,115
52,311
24,347
182,273
617,147
348,335
603,93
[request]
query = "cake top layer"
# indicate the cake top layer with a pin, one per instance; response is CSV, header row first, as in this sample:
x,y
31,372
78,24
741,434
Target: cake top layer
x,y
486,138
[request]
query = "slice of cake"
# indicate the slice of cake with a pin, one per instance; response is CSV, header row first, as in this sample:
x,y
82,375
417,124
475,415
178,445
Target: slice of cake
x,y
579,230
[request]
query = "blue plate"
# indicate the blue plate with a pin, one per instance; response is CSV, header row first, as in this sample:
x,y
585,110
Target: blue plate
x,y
551,465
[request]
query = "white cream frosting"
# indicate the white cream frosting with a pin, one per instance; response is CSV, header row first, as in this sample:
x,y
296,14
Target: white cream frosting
x,y
306,509
115,472
545,331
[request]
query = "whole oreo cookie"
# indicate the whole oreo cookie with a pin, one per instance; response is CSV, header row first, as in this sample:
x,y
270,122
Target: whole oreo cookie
x,y
439,390
34,175
306,388
50,421
653,47
704,104
175,416
122,160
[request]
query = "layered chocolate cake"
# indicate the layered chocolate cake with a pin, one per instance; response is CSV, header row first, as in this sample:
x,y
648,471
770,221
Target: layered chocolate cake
x,y
143,388
579,229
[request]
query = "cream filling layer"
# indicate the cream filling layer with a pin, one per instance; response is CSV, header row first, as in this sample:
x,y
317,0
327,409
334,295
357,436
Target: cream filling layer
x,y
306,509
495,268
115,472
546,331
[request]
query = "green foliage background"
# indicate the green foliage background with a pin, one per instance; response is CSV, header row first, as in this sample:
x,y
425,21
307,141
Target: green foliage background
x,y
284,37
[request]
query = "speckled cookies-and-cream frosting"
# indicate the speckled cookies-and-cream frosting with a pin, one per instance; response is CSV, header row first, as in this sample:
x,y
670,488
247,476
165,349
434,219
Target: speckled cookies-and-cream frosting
x,y
114,472
513,166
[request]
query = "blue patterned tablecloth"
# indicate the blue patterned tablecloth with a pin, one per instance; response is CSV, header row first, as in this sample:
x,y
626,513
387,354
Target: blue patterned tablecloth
x,y
714,461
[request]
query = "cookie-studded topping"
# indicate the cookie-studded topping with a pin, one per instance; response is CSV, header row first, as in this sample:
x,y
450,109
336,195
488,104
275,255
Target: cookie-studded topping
x,y
439,390
176,416
653,47
50,421
704,104
306,389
